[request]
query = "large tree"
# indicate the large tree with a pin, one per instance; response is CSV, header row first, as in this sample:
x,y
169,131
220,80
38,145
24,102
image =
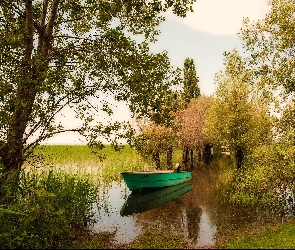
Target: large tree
x,y
237,118
190,90
190,81
56,54
270,44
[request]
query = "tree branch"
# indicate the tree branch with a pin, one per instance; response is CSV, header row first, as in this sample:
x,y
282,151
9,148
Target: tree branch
x,y
52,17
29,31
44,12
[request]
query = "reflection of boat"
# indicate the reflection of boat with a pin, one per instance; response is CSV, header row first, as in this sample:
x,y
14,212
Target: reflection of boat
x,y
138,202
154,179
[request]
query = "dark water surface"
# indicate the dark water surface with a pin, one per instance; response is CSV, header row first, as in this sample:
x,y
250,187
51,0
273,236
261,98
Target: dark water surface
x,y
194,214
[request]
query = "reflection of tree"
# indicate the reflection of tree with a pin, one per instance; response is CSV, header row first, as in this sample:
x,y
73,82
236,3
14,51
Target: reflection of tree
x,y
193,215
179,216
168,217
182,215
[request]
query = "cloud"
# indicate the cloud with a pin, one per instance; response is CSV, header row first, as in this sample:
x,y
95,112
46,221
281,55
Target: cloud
x,y
222,17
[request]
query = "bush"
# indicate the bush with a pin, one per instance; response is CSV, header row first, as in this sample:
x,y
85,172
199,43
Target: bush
x,y
47,211
266,174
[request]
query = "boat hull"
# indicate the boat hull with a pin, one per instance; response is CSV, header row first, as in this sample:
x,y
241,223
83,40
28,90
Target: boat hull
x,y
138,180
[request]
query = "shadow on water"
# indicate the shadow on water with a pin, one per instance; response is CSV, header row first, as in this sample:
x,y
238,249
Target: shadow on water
x,y
180,209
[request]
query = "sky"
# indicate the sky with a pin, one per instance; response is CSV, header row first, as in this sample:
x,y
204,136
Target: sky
x,y
203,35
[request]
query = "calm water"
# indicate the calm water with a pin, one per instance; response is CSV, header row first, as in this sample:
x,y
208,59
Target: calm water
x,y
194,214
185,215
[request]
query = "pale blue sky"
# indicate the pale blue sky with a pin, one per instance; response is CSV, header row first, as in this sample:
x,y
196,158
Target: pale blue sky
x,y
203,36
181,41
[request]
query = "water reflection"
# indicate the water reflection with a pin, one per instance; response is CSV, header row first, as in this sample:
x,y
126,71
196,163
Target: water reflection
x,y
173,209
138,202
110,201
207,230
195,214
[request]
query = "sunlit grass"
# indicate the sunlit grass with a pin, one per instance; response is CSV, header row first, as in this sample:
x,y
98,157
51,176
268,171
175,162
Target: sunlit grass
x,y
105,164
279,237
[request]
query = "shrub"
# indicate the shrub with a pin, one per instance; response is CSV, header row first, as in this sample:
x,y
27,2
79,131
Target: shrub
x,y
267,173
47,210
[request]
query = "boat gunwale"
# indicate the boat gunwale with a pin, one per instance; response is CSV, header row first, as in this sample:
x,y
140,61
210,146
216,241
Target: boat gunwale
x,y
154,172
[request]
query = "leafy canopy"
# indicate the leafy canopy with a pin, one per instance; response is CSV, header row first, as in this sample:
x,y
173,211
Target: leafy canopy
x,y
57,54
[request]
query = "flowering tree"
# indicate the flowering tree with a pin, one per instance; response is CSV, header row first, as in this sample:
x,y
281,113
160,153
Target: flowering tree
x,y
192,121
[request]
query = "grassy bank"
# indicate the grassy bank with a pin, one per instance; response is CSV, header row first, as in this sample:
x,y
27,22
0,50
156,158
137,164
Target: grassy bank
x,y
47,210
280,236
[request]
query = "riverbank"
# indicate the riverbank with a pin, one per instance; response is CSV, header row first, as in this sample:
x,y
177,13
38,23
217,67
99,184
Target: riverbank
x,y
280,236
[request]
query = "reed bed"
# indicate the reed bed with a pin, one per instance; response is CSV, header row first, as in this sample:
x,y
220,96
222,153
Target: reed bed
x,y
104,165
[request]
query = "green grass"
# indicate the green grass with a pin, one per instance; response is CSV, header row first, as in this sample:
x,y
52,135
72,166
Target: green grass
x,y
105,164
278,237
47,211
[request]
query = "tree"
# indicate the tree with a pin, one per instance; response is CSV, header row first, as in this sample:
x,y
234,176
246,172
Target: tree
x,y
192,121
237,118
270,44
56,54
190,91
157,133
155,140
190,81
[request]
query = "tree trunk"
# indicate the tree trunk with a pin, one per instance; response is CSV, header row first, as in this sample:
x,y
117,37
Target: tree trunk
x,y
185,156
12,153
30,78
156,159
207,153
191,159
169,158
239,157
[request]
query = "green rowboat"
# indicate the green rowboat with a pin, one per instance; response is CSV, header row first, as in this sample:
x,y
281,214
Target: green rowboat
x,y
138,180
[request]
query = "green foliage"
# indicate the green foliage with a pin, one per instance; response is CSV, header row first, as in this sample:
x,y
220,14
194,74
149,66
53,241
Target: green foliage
x,y
47,210
64,55
266,174
270,46
237,118
191,89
